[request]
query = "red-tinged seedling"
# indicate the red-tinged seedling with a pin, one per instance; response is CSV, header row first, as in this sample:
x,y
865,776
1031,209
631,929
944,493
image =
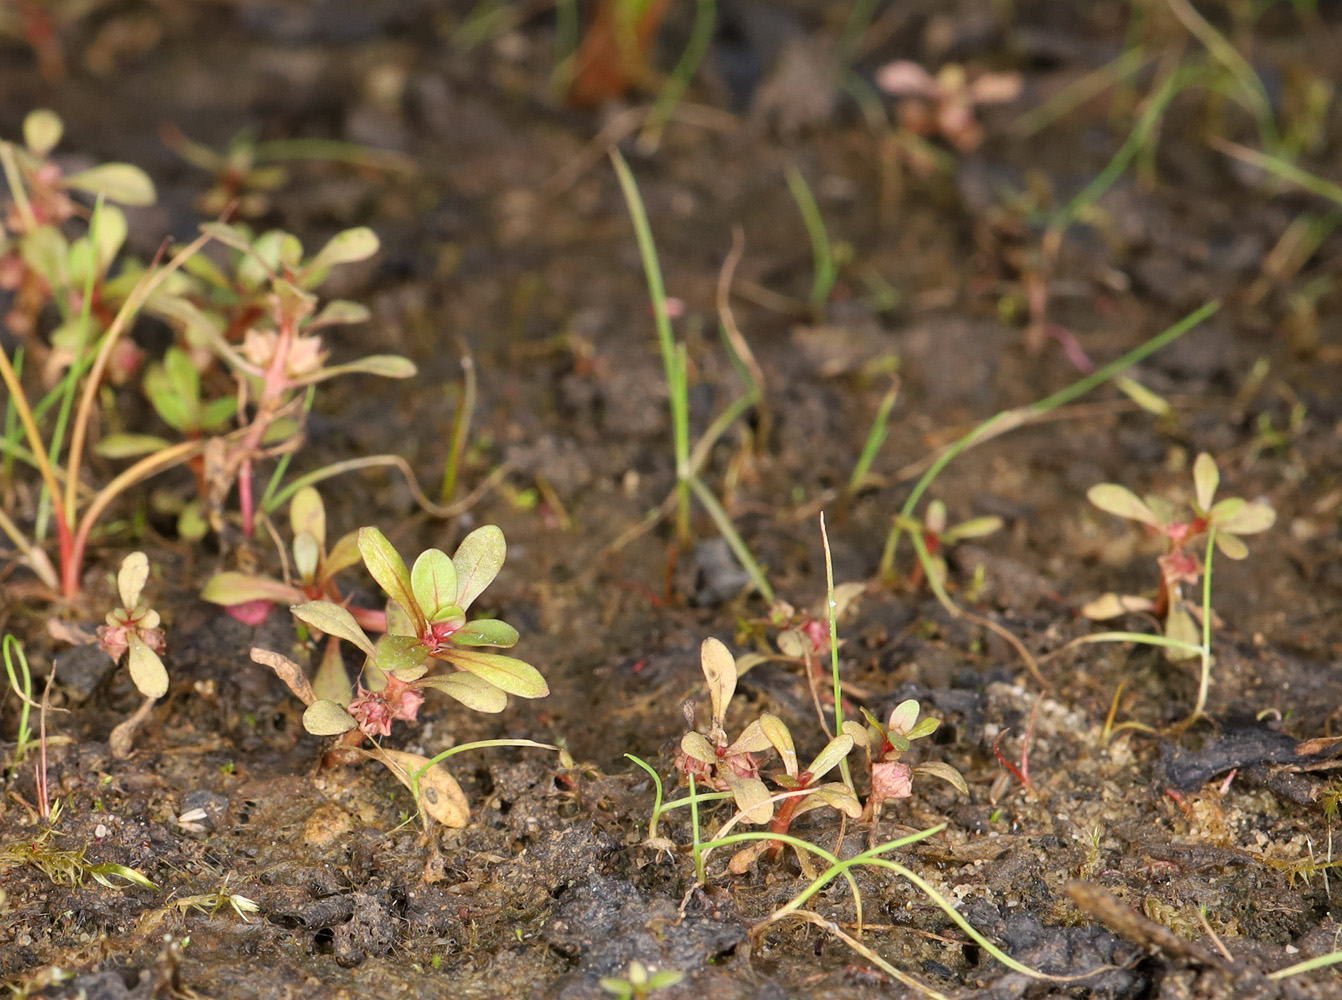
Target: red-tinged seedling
x,y
944,104
937,537
886,744
132,630
38,264
265,322
1180,565
731,766
429,632
249,597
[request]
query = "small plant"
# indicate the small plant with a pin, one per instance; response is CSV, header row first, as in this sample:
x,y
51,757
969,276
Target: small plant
x,y
731,766
132,630
944,104
1222,522
428,628
937,537
250,596
640,982
886,743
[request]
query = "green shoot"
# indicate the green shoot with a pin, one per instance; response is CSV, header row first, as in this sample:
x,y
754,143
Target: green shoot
x,y
822,254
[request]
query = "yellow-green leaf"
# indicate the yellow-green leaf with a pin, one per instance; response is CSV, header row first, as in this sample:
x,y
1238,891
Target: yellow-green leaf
x,y
146,669
326,718
478,560
505,672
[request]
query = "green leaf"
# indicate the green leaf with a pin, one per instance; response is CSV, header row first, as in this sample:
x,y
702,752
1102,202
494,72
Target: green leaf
x,y
46,251
1122,502
385,365
433,579
478,560
486,632
903,717
835,750
781,739
129,445
120,182
308,513
343,554
753,739
230,588
109,224
332,619
752,798
945,772
975,527
42,131
340,311
719,668
925,728
348,247
504,672
473,692
1206,477
1249,519
400,654
388,569
697,747
326,718
146,669
833,795
1142,396
131,578
332,682
1180,627
1231,546
307,556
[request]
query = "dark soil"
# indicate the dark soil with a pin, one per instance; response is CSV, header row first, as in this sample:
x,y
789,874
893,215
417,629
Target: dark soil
x,y
510,235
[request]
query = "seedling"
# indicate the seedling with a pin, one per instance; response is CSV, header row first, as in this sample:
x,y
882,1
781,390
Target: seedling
x,y
731,766
1222,522
640,982
937,537
428,627
885,745
944,104
250,596
133,631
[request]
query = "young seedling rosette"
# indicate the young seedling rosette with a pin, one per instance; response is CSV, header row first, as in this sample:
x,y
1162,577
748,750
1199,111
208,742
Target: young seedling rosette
x,y
885,745
731,765
1227,521
132,630
429,627
249,597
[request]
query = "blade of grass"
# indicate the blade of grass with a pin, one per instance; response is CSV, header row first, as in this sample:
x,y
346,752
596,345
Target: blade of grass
x,y
822,254
1008,420
880,428
676,376
701,36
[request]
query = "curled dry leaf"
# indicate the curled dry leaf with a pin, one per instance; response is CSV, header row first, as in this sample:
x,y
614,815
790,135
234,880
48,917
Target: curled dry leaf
x,y
288,671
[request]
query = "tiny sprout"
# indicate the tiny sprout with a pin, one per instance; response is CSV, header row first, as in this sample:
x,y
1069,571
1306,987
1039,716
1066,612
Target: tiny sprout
x,y
732,766
640,981
891,778
944,104
1226,520
134,628
938,537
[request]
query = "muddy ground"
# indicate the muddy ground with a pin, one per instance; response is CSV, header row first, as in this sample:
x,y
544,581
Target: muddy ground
x,y
508,233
